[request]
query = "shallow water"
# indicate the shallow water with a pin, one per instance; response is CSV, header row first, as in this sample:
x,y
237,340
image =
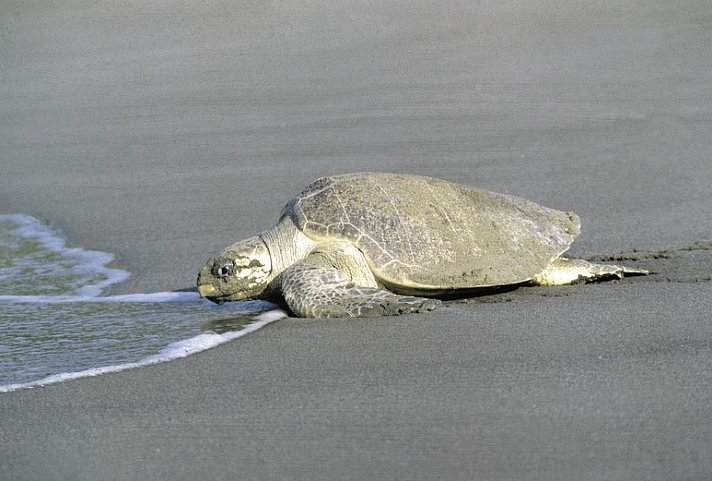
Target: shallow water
x,y
55,325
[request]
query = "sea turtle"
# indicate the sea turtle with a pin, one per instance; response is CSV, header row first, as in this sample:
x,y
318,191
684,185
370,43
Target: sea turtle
x,y
372,244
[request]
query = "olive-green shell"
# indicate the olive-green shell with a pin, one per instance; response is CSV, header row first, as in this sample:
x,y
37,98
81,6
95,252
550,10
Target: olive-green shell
x,y
430,234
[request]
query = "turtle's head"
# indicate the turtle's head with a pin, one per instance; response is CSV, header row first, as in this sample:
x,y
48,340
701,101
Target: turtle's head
x,y
241,271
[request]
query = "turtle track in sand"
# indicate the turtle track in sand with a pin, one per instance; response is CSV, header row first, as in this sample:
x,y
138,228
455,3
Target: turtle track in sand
x,y
688,264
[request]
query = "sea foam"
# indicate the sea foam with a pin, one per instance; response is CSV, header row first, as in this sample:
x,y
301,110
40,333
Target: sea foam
x,y
36,243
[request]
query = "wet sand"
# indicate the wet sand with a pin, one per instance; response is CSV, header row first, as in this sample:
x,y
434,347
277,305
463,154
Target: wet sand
x,y
163,133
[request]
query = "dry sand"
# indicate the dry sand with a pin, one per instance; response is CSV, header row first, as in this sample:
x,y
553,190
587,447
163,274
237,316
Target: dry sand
x,y
162,131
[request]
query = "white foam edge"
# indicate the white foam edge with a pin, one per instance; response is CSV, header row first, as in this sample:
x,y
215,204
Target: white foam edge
x,y
91,261
173,351
151,297
170,296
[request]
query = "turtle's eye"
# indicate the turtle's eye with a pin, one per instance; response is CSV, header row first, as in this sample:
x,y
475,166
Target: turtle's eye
x,y
224,270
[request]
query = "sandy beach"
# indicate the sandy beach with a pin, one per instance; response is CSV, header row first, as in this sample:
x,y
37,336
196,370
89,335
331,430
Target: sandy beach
x,y
164,131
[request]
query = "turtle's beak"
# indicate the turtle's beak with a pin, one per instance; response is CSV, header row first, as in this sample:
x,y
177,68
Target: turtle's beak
x,y
206,292
206,289
205,286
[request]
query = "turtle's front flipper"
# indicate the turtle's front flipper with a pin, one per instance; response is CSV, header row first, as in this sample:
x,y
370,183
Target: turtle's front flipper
x,y
313,287
562,271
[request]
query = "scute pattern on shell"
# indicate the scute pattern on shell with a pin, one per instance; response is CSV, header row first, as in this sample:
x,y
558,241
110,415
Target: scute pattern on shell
x,y
421,232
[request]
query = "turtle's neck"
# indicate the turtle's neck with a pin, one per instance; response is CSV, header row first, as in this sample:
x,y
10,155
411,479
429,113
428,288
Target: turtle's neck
x,y
286,245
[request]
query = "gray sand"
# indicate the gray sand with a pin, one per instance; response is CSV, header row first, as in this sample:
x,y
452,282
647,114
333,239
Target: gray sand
x,y
163,133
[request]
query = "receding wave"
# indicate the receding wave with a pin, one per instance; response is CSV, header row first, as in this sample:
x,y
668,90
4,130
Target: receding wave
x,y
56,325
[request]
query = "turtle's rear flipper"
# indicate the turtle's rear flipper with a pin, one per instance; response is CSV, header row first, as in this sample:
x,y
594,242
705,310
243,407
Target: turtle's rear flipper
x,y
632,271
314,289
562,271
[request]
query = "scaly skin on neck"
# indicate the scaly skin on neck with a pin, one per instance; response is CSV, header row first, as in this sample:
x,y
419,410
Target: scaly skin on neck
x,y
286,245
